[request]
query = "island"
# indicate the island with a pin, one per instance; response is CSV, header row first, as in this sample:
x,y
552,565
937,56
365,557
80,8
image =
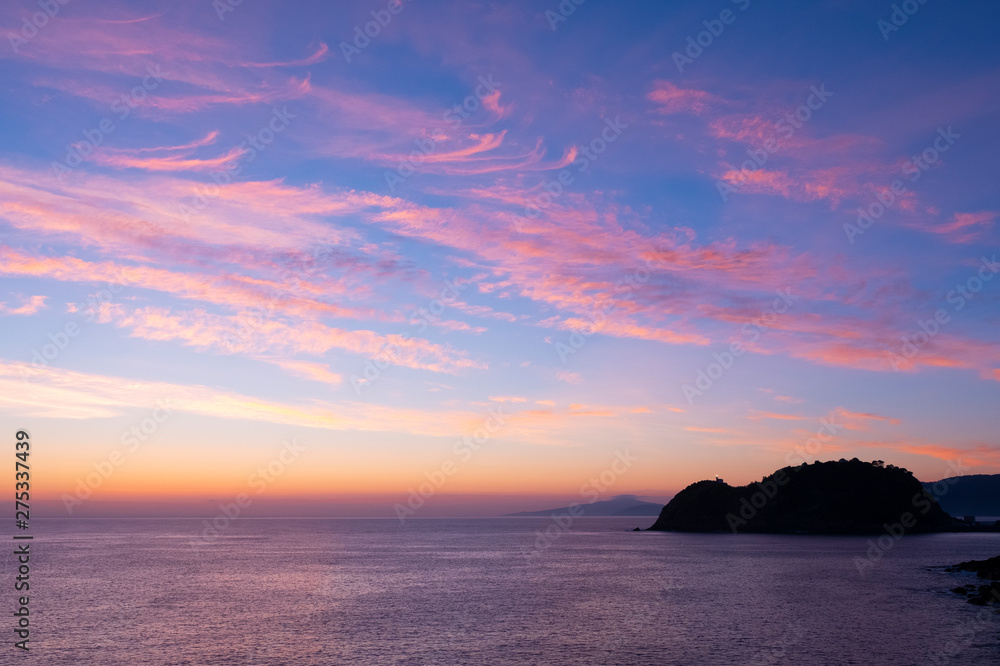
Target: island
x,y
836,497
619,505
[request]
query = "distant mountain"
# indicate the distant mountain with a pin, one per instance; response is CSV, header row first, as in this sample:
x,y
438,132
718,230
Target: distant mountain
x,y
845,497
620,505
972,495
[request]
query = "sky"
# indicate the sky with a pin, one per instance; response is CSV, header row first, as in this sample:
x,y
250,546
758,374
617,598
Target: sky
x,y
476,257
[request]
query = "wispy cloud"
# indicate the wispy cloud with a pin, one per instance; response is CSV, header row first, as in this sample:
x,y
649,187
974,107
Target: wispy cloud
x,y
29,305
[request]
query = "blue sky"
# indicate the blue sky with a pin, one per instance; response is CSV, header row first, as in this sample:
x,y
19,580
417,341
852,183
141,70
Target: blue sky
x,y
254,240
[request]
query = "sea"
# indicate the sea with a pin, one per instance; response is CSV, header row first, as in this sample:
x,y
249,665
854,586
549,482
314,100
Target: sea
x,y
489,591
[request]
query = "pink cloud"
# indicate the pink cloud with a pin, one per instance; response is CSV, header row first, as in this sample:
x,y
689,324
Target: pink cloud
x,y
860,420
985,455
507,398
206,140
316,372
227,290
620,329
962,228
671,98
811,186
317,57
266,337
65,394
569,377
29,306
716,431
758,415
121,160
492,103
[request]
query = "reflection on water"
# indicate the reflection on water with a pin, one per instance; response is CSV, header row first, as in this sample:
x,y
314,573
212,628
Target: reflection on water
x,y
460,592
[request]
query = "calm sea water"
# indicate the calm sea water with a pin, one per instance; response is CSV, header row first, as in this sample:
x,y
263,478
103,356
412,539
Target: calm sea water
x,y
460,591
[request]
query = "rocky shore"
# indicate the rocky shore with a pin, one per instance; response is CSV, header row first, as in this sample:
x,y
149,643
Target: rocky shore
x,y
985,569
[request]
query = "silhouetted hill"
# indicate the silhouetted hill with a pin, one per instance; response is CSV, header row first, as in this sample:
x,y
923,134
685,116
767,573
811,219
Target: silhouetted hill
x,y
620,505
972,495
845,497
